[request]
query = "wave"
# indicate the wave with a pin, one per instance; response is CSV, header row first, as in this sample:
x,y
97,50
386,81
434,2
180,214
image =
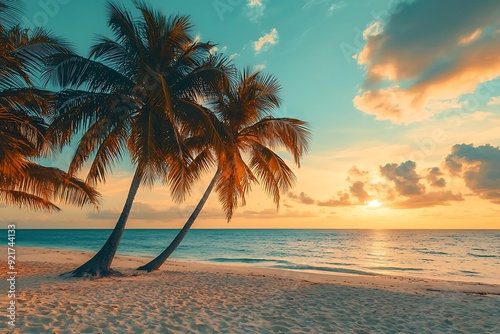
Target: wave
x,y
469,273
435,253
340,264
483,255
396,268
329,269
246,260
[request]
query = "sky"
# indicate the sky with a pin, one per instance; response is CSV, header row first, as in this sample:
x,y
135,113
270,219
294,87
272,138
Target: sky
x,y
402,97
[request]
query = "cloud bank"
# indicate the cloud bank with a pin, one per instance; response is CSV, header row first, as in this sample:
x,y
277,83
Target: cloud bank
x,y
404,186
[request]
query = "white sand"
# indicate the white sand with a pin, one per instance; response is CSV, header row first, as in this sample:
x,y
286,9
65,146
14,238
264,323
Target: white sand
x,y
208,298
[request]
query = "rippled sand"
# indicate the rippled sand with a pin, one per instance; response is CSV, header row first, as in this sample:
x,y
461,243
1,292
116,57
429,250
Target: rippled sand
x,y
206,298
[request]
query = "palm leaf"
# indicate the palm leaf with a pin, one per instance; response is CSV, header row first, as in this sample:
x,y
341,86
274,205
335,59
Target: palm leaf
x,y
10,11
26,200
290,133
73,71
272,171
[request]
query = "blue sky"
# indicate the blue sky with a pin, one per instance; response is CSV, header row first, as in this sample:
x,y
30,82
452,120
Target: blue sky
x,y
307,57
380,84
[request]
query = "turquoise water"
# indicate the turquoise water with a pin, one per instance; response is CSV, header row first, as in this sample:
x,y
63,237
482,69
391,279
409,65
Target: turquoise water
x,y
467,255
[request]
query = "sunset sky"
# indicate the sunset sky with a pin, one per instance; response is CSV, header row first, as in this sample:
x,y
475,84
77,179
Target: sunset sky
x,y
403,102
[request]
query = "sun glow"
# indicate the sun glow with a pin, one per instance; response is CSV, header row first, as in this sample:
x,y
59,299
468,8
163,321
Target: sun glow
x,y
374,204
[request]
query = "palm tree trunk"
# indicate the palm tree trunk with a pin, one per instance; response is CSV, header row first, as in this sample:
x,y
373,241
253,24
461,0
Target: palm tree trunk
x,y
100,264
160,259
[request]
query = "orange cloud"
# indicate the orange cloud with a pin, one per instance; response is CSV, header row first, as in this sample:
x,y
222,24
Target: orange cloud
x,y
301,198
427,200
425,58
265,41
342,199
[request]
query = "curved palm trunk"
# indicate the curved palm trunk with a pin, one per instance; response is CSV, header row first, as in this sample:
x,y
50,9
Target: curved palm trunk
x,y
160,259
100,264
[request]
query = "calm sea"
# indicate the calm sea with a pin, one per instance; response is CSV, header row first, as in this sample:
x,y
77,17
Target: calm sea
x,y
468,255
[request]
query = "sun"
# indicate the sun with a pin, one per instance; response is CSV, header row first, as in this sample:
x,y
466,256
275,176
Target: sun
x,y
374,204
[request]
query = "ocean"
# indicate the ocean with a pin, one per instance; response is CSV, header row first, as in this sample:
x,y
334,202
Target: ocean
x,y
460,255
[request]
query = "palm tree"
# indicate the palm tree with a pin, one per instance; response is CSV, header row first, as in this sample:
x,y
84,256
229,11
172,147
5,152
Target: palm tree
x,y
136,94
24,183
242,115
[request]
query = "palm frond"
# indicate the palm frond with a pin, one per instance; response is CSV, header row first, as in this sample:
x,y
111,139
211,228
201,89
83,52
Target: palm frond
x,y
90,142
124,28
10,12
197,121
272,171
49,184
73,71
204,79
26,200
109,152
115,55
290,133
76,110
26,100
234,183
33,46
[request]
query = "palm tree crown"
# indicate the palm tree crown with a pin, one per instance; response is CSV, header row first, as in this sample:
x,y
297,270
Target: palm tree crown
x,y
243,114
135,93
22,125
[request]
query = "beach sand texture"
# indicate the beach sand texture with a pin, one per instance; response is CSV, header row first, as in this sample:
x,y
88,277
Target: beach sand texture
x,y
187,297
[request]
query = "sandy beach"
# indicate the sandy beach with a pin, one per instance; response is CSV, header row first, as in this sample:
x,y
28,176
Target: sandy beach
x,y
187,297
319,166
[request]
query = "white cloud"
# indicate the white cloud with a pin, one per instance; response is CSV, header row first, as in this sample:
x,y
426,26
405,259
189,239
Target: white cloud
x,y
234,55
335,7
254,3
265,41
255,9
217,50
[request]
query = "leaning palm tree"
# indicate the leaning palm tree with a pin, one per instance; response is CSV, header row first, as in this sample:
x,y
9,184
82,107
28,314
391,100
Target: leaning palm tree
x,y
242,116
23,182
136,94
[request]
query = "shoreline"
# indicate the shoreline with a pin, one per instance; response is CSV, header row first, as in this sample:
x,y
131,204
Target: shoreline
x,y
211,298
416,254
127,264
